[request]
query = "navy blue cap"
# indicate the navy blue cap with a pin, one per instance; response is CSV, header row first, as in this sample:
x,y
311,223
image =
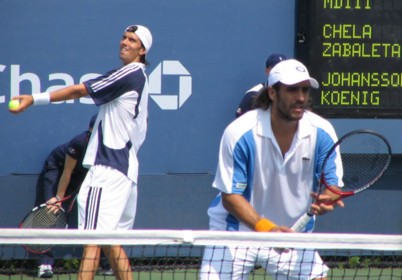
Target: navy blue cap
x,y
274,59
247,103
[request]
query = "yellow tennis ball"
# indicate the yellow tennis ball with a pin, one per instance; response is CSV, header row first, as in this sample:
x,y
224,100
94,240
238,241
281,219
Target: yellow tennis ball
x,y
14,104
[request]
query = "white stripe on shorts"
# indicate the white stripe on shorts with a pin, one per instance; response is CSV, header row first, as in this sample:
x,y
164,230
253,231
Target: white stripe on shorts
x,y
92,207
107,200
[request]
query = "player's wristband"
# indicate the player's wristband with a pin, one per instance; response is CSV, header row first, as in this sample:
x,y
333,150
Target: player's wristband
x,y
41,98
58,198
264,225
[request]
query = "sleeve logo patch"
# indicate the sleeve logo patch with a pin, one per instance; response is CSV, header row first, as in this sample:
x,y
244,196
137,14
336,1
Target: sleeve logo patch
x,y
240,186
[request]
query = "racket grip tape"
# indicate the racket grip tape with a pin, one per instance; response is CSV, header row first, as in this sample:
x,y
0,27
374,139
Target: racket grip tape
x,y
301,223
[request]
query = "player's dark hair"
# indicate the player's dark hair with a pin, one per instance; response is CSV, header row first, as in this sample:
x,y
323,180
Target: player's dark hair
x,y
263,101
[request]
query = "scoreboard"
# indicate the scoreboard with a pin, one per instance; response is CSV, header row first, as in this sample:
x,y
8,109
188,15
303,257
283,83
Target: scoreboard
x,y
353,48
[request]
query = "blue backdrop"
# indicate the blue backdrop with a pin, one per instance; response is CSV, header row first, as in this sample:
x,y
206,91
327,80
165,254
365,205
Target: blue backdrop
x,y
205,55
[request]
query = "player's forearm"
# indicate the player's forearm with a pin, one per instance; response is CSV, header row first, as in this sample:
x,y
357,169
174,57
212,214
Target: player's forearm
x,y
65,178
67,93
241,209
22,102
62,187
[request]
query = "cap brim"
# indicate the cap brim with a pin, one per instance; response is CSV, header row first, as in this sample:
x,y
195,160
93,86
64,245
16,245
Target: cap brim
x,y
314,83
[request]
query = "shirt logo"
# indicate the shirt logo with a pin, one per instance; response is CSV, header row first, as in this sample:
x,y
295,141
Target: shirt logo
x,y
71,151
240,186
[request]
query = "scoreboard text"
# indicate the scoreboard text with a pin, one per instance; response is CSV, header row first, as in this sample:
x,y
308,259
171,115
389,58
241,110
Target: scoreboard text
x,y
353,48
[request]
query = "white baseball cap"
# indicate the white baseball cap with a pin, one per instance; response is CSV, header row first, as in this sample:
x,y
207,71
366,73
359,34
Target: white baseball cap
x,y
143,33
290,72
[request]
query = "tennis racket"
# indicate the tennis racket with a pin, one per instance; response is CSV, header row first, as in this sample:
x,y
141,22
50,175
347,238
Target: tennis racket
x,y
41,217
364,156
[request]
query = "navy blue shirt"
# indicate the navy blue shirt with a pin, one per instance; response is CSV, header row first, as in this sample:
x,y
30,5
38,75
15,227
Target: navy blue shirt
x,y
53,167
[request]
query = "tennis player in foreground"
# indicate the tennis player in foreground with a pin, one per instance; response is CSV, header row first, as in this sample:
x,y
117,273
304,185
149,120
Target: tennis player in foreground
x,y
108,196
268,170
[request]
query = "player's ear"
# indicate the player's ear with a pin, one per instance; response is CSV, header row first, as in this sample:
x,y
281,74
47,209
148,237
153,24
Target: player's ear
x,y
271,93
143,51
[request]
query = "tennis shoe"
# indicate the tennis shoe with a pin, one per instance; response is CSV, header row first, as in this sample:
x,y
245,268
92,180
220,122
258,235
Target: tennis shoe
x,y
45,271
108,272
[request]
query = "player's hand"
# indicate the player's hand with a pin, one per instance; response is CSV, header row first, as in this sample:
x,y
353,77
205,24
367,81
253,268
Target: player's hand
x,y
25,102
281,229
325,202
53,205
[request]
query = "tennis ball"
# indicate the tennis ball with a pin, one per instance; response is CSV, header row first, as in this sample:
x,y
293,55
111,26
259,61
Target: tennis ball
x,y
13,104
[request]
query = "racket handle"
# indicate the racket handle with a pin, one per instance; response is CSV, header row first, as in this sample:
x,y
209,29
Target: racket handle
x,y
301,223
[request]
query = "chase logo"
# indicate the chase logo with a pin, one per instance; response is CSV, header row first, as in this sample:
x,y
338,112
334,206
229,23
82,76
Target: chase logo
x,y
170,100
159,91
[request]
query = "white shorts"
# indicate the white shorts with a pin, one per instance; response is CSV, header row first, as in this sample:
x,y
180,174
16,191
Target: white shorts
x,y
107,200
236,263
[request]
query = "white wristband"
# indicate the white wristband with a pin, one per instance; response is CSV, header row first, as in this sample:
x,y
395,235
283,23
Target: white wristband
x,y
41,98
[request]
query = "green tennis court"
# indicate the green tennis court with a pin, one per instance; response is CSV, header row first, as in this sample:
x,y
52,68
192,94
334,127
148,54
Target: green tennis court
x,y
347,274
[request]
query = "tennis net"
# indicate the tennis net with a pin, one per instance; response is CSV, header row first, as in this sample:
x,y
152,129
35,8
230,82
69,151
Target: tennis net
x,y
178,254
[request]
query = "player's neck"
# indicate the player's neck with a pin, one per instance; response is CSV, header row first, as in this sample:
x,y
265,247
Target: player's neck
x,y
284,131
283,126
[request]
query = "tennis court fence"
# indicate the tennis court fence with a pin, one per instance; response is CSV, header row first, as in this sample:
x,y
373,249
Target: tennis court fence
x,y
177,254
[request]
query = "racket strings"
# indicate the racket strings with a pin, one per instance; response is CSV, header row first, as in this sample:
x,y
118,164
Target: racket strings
x,y
42,218
365,157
